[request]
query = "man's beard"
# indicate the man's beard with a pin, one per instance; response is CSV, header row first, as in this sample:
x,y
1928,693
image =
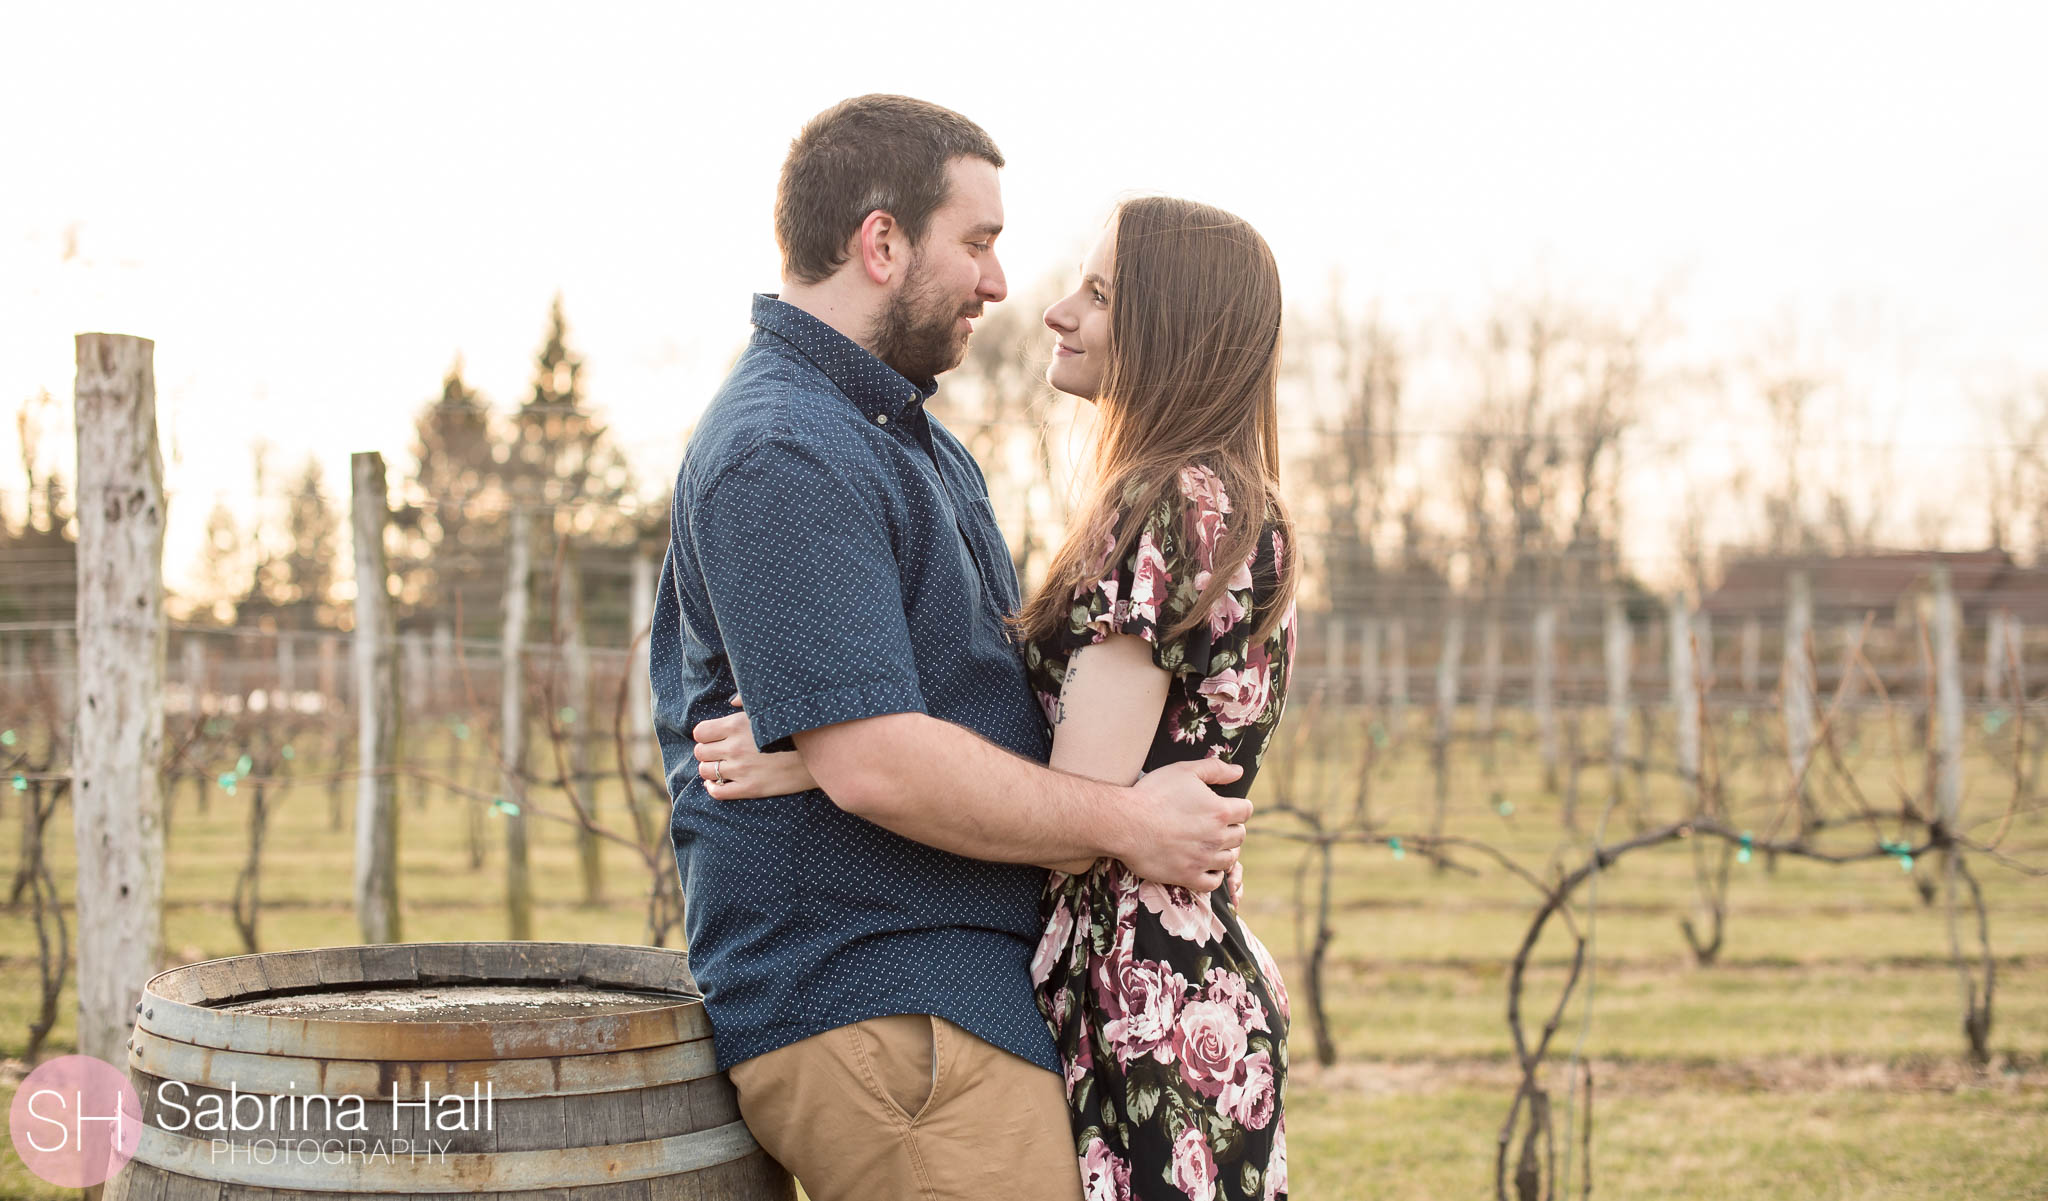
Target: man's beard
x,y
915,334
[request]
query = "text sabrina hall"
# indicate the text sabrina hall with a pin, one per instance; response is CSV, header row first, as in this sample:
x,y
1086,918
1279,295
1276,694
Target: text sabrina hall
x,y
315,1112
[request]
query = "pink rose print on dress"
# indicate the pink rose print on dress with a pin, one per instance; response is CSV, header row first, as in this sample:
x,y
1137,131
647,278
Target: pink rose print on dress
x,y
1239,697
1203,517
1194,1166
1226,987
1208,1040
1104,1176
1228,609
1182,913
1053,943
1249,1099
1126,911
1082,1061
1150,581
1142,1000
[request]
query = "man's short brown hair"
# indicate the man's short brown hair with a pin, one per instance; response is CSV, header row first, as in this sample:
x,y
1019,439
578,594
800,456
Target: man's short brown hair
x,y
870,152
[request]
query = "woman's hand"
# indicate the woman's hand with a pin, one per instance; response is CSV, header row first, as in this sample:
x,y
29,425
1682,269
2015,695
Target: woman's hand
x,y
734,770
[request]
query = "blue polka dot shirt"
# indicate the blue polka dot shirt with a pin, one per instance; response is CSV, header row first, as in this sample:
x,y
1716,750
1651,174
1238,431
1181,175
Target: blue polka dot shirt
x,y
833,556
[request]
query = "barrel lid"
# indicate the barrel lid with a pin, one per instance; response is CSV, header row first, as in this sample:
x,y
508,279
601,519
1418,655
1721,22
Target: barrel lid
x,y
430,1001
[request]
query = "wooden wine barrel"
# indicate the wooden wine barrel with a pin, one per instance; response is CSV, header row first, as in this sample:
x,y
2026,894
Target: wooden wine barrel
x,y
573,1071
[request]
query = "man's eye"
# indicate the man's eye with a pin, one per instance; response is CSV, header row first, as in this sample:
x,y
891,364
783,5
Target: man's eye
x,y
981,246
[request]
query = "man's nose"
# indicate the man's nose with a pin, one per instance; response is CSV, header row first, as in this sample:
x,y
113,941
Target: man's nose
x,y
993,286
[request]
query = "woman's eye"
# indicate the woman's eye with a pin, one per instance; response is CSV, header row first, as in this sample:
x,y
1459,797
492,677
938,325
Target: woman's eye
x,y
1101,299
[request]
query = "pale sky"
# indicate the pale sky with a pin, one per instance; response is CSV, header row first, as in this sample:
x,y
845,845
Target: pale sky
x,y
314,209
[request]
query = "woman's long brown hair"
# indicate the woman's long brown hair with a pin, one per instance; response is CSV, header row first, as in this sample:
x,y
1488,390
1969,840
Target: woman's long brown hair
x,y
1192,377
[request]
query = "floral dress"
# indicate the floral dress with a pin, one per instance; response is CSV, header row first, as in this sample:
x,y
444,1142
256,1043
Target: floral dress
x,y
1170,1016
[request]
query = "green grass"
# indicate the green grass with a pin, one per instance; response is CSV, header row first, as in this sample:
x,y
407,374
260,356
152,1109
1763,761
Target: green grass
x,y
1842,1145
1820,1057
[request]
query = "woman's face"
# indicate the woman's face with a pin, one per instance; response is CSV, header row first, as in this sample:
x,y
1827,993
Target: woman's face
x,y
1081,319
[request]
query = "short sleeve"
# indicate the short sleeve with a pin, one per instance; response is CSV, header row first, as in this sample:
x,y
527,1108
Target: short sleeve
x,y
801,572
1154,587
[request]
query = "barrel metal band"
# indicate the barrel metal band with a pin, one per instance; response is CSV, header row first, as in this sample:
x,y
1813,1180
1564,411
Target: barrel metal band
x,y
301,1163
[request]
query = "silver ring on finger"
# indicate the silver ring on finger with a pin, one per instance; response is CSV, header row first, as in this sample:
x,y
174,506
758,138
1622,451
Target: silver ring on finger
x,y
718,770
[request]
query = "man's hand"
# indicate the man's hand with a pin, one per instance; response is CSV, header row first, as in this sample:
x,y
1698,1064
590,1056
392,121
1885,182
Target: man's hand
x,y
1183,833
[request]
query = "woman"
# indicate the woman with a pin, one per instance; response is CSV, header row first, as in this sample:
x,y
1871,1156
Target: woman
x,y
1163,632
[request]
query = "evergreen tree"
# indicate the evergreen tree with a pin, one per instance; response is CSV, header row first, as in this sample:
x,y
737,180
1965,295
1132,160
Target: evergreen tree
x,y
563,464
314,525
562,457
220,565
293,586
453,519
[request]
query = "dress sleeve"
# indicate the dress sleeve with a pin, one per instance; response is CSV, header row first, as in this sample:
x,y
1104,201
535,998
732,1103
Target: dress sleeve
x,y
1156,584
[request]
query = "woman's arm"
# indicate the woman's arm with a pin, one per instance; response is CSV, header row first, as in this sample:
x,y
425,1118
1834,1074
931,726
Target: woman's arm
x,y
1109,710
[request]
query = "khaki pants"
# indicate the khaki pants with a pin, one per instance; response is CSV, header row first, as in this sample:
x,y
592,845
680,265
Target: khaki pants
x,y
912,1107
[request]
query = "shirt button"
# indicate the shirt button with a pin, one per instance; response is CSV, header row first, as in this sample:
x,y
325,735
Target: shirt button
x,y
881,419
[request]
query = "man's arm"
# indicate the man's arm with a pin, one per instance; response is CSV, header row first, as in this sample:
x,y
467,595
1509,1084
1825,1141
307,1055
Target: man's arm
x,y
944,786
801,573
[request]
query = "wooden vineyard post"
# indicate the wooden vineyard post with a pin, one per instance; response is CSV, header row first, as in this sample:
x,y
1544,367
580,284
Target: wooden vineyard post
x,y
1544,685
640,711
1617,653
576,681
287,671
1685,702
1371,678
1948,701
1333,660
117,810
1397,674
192,655
512,720
1489,686
1752,653
1796,684
446,688
1448,661
1994,656
378,718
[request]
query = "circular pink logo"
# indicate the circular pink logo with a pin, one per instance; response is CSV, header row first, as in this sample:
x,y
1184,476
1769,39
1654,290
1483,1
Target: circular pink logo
x,y
75,1121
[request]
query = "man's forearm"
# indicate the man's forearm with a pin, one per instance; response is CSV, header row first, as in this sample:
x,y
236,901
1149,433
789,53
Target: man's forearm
x,y
947,787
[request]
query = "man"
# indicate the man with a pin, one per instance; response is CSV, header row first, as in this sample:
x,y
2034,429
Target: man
x,y
864,948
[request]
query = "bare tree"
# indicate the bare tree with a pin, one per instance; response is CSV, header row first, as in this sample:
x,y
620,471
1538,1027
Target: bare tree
x,y
1361,364
1557,387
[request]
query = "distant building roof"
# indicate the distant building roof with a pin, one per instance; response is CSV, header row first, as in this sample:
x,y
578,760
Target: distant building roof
x,y
1850,585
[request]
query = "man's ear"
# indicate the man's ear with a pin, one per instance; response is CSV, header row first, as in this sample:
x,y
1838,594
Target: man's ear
x,y
880,246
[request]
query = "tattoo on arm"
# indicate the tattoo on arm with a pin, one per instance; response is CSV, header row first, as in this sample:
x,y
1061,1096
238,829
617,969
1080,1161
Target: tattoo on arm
x,y
1060,705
